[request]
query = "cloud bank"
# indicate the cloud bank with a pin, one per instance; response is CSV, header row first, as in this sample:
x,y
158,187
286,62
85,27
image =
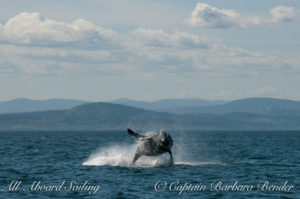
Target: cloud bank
x,y
31,44
28,28
207,16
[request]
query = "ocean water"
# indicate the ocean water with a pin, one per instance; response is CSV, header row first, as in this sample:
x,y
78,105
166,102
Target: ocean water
x,y
208,164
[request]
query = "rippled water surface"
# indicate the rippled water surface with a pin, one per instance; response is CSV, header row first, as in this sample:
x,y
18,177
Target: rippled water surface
x,y
77,163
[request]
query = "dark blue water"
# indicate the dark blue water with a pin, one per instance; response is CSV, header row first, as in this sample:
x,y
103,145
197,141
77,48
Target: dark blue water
x,y
79,162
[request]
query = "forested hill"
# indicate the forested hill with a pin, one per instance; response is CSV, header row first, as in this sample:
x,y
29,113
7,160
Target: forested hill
x,y
109,116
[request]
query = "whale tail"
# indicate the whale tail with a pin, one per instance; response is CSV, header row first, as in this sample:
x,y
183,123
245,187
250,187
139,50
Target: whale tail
x,y
137,136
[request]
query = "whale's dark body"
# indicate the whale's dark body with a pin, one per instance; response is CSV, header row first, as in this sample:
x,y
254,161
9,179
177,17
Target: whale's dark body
x,y
152,145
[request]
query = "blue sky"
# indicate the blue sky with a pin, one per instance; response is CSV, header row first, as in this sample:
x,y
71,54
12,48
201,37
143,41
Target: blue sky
x,y
148,50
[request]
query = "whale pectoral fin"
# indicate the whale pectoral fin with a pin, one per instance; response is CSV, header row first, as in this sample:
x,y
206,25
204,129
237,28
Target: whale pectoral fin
x,y
137,136
134,134
145,138
171,161
136,157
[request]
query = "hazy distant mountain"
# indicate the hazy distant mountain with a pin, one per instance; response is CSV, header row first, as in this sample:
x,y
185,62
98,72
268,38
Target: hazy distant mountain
x,y
88,116
27,105
251,105
107,116
167,104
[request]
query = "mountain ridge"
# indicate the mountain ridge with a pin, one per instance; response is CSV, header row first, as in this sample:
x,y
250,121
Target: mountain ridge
x,y
20,105
166,104
109,116
251,105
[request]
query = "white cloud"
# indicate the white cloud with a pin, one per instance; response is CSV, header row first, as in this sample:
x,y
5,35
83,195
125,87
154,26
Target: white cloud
x,y
283,13
33,44
29,28
159,38
207,16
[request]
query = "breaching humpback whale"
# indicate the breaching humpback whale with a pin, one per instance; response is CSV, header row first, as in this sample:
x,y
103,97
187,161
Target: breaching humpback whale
x,y
152,145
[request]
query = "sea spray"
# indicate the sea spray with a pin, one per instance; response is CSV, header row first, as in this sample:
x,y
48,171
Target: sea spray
x,y
122,155
115,155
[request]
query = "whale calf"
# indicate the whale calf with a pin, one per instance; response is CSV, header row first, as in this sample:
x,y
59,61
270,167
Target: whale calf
x,y
153,145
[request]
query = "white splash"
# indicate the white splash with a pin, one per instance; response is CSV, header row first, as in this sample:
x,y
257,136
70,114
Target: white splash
x,y
113,155
117,155
122,155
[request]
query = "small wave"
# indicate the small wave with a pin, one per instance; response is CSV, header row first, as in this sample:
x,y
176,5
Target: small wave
x,y
197,164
